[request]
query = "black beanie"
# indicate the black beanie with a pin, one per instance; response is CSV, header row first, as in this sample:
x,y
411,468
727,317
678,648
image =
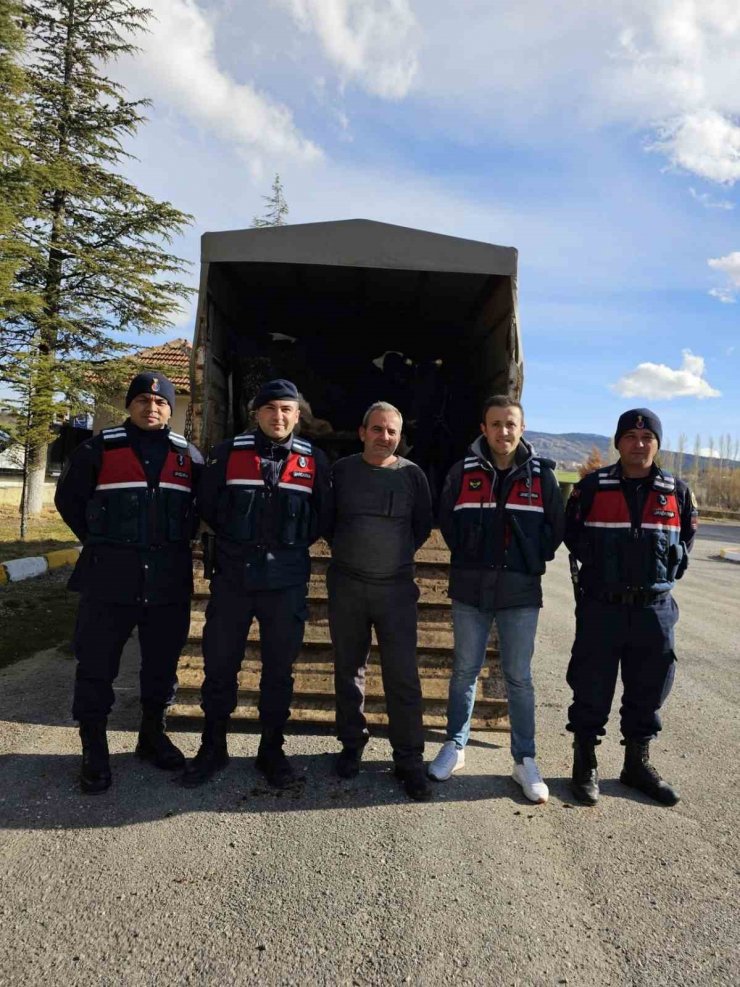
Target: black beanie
x,y
639,418
274,390
150,382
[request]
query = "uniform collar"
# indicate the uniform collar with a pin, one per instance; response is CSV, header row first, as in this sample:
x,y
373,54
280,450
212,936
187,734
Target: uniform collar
x,y
266,446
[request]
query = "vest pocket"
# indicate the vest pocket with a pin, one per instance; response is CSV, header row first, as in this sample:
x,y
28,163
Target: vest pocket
x,y
129,523
95,517
295,525
239,511
469,532
117,516
667,559
175,515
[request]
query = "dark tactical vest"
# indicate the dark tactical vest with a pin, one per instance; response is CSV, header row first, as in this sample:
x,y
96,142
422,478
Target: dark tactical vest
x,y
243,514
126,510
524,527
618,557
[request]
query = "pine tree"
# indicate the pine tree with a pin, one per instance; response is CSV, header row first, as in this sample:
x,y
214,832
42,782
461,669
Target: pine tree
x,y
17,173
99,261
276,209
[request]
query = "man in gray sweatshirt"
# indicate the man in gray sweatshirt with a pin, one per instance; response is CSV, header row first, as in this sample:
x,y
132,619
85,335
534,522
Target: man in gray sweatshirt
x,y
383,515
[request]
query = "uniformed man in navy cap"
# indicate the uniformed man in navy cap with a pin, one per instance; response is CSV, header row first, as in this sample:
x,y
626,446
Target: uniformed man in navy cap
x,y
631,527
128,495
266,495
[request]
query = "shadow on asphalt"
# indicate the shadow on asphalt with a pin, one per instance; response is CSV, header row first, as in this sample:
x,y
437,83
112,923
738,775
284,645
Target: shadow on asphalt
x,y
609,788
432,735
41,791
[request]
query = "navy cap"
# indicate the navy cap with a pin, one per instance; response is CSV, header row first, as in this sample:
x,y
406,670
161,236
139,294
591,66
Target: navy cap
x,y
275,390
151,382
639,418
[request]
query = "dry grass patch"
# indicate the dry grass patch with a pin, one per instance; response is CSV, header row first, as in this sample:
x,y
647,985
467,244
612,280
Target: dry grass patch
x,y
45,534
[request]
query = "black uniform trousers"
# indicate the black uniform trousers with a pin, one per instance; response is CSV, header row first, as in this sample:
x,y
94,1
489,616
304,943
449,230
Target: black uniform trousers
x,y
281,614
641,640
355,607
100,635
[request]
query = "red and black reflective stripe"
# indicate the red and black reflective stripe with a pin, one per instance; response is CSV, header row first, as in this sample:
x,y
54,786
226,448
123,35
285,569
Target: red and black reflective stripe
x,y
243,469
121,469
525,494
476,489
298,475
177,472
609,509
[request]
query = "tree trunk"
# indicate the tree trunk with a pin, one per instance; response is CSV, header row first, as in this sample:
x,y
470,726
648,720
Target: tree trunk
x,y
33,495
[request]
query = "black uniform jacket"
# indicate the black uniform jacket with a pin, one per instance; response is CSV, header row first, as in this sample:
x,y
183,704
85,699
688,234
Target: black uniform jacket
x,y
490,584
271,565
122,574
635,492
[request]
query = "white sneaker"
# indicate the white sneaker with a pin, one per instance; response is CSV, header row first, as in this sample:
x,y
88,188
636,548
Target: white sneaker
x,y
450,758
527,774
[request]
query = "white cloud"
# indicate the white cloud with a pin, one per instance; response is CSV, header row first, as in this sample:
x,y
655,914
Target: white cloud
x,y
657,381
676,69
667,67
178,63
704,143
372,42
706,200
729,266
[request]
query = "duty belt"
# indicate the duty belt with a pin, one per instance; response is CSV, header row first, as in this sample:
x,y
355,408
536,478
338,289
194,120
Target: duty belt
x,y
631,598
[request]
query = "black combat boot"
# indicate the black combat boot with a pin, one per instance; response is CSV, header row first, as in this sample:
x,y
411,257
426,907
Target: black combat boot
x,y
639,773
415,782
95,776
271,761
154,745
212,754
347,764
585,781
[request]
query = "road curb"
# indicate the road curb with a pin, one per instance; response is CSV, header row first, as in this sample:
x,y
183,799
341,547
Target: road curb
x,y
15,570
730,554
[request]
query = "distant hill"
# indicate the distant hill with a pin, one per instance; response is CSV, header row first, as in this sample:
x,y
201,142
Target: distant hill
x,y
571,449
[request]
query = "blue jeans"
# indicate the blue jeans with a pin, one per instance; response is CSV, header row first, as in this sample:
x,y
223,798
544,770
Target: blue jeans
x,y
517,627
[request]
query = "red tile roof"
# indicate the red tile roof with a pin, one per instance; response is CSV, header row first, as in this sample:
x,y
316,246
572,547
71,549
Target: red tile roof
x,y
172,358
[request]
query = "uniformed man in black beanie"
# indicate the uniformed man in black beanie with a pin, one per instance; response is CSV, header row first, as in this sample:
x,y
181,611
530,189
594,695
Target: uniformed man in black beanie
x,y
128,495
266,495
631,527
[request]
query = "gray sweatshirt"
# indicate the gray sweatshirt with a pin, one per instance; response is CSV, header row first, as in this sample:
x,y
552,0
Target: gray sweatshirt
x,y
382,515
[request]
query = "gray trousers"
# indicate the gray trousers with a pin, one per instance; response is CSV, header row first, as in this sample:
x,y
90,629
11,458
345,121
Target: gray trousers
x,y
354,608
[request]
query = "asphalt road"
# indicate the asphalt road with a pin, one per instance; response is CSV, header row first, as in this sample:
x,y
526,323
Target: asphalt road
x,y
349,883
727,532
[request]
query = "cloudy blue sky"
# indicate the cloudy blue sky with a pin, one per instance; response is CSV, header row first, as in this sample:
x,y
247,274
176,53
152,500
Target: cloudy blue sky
x,y
601,140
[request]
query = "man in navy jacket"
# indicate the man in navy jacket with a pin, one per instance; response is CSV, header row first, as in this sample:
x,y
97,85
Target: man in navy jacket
x,y
631,527
501,514
128,495
267,496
